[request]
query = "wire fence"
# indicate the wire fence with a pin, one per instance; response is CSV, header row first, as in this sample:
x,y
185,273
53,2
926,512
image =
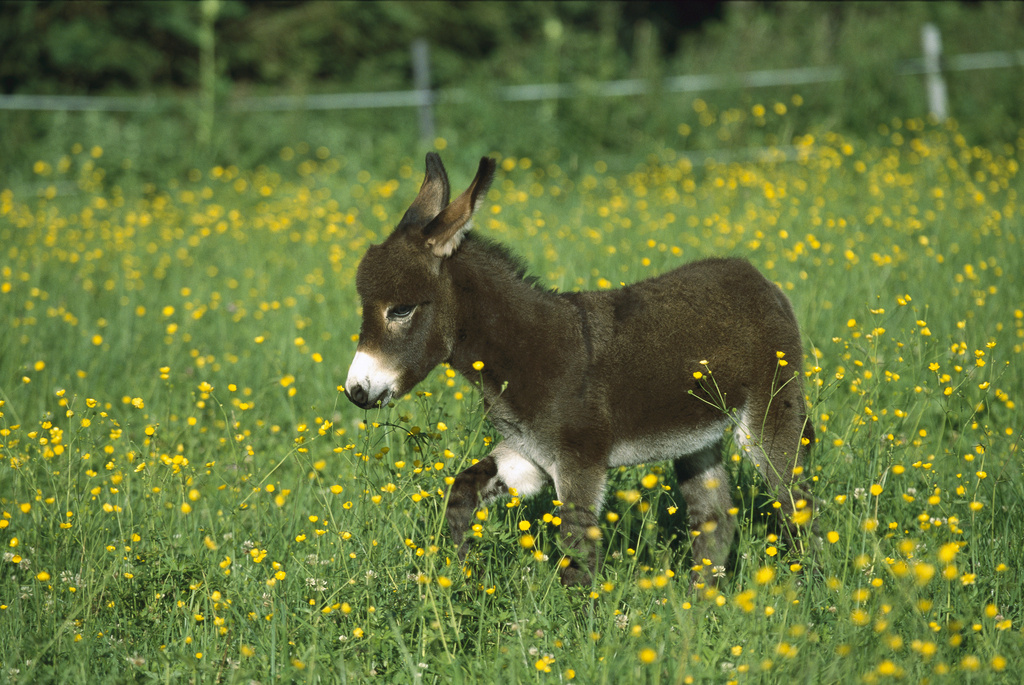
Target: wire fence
x,y
932,65
933,62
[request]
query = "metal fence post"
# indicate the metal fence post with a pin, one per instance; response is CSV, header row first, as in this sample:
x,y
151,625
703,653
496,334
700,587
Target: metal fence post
x,y
931,43
421,82
207,39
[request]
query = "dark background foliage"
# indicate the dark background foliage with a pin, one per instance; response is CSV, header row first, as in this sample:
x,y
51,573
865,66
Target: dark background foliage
x,y
300,48
109,46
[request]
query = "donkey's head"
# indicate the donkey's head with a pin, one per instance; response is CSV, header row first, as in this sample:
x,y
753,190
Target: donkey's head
x,y
408,324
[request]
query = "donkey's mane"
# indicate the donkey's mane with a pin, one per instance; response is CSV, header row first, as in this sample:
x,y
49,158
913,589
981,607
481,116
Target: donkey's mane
x,y
503,255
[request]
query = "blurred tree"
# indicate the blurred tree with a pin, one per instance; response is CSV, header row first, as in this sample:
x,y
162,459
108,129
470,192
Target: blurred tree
x,y
93,47
107,45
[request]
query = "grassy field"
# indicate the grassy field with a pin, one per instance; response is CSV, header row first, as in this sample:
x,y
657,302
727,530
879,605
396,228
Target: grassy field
x,y
187,496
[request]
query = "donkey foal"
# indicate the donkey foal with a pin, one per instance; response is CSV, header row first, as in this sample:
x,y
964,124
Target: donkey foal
x,y
578,383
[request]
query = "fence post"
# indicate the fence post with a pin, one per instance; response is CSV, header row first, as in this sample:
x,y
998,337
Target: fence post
x,y
553,33
421,82
207,38
931,43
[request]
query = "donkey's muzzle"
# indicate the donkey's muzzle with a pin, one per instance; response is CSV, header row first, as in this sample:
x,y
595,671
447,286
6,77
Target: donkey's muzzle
x,y
370,381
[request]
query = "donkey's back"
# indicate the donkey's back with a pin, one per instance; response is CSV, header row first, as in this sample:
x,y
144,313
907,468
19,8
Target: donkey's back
x,y
684,348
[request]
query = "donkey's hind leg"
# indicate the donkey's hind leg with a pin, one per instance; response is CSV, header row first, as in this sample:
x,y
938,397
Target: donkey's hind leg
x,y
704,485
776,435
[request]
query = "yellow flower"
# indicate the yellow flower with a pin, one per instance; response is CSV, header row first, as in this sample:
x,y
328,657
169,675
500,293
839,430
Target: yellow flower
x,y
923,572
647,655
948,552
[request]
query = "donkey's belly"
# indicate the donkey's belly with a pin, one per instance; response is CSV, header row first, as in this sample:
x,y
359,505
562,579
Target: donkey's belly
x,y
667,445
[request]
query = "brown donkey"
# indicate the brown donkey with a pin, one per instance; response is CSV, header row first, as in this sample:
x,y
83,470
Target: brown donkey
x,y
578,383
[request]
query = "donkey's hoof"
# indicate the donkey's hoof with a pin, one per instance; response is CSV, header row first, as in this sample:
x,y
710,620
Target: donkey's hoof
x,y
574,575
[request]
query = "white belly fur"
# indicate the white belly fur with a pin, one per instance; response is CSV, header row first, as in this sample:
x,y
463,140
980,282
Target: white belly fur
x,y
666,446
526,465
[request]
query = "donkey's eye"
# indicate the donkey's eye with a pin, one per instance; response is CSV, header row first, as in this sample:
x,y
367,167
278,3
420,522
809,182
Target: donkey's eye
x,y
400,311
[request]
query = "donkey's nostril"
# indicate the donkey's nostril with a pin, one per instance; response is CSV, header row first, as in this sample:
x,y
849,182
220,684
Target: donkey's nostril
x,y
357,394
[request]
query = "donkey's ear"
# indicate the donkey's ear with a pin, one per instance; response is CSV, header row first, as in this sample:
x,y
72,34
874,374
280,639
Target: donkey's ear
x,y
432,198
446,231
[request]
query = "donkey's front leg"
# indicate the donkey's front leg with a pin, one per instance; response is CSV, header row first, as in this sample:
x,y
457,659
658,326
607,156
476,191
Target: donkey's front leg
x,y
465,497
580,534
581,490
489,478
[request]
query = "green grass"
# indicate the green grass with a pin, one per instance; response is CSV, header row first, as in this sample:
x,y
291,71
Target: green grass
x,y
186,494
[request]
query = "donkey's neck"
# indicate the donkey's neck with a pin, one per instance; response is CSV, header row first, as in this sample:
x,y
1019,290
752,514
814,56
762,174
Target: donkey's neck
x,y
521,333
